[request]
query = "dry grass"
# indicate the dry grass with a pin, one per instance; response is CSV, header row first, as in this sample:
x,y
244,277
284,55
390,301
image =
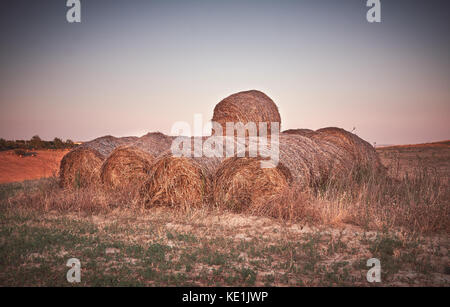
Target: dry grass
x,y
417,204
126,165
370,199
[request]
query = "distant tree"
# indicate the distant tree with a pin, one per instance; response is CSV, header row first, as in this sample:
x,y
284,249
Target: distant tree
x,y
58,143
36,142
69,143
3,144
10,145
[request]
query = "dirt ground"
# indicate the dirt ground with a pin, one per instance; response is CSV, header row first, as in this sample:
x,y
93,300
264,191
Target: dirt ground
x,y
14,168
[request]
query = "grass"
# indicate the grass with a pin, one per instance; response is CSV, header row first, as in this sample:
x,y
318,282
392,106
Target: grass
x,y
166,248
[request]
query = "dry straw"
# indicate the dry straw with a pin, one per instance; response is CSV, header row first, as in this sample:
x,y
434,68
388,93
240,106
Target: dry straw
x,y
80,168
303,132
77,167
180,181
240,183
362,154
155,143
106,144
126,166
244,107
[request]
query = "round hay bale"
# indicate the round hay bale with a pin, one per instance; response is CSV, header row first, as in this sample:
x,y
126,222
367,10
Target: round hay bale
x,y
301,156
154,143
241,183
176,181
302,132
106,144
127,165
180,181
80,168
361,152
335,162
244,107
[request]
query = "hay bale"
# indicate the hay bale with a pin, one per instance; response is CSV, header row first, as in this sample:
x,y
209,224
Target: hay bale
x,y
80,168
106,144
302,132
154,143
127,165
180,181
249,106
361,153
240,183
335,162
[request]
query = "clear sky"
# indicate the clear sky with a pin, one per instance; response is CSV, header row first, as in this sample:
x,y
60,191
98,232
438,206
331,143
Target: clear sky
x,y
136,66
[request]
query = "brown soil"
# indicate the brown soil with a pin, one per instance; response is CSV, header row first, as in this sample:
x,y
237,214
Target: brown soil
x,y
14,168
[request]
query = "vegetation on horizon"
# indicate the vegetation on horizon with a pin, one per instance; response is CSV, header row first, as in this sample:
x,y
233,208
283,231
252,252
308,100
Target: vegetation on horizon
x,y
35,143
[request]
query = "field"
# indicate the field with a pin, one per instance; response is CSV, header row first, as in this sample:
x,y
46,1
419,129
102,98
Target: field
x,y
14,168
121,243
434,158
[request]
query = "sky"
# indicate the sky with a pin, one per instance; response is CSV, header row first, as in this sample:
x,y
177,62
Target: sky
x,y
131,67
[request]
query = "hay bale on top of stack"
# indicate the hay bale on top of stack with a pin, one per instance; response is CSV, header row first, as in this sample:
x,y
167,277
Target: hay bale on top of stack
x,y
244,107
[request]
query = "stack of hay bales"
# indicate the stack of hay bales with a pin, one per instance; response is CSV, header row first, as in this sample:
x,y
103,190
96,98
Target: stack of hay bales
x,y
307,158
84,163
